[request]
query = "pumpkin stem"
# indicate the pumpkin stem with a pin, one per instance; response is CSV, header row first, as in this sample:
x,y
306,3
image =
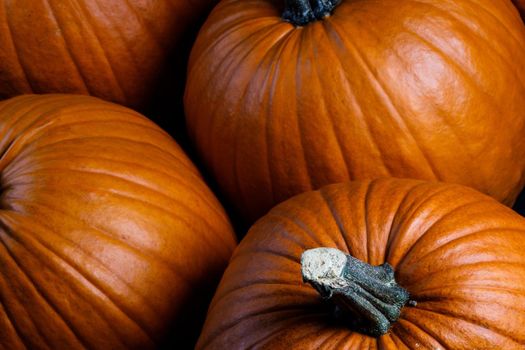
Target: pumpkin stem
x,y
302,12
366,296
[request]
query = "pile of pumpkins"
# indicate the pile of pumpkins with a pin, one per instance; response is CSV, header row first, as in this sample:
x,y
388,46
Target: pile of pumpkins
x,y
375,146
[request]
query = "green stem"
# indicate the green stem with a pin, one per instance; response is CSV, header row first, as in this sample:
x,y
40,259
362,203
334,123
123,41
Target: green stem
x,y
302,12
367,296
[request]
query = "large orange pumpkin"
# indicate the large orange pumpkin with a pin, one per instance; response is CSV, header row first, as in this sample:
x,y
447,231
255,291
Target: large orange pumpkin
x,y
429,89
109,237
113,49
459,254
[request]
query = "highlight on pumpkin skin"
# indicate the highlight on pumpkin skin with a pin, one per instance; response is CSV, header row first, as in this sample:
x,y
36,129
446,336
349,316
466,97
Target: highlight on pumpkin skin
x,y
368,294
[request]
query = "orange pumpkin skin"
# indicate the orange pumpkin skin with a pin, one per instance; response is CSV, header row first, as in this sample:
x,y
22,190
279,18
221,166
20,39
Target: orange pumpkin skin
x,y
108,231
459,253
520,4
114,49
417,89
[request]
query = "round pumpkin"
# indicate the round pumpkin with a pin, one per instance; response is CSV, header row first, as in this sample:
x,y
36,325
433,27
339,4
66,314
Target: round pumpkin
x,y
459,254
418,89
110,239
113,49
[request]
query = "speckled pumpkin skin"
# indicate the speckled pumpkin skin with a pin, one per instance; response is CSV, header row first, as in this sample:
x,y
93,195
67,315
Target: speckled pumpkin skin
x,y
460,255
431,89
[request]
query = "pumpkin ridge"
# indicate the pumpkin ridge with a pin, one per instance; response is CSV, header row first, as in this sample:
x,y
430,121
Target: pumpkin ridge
x,y
270,252
322,100
393,230
332,36
138,251
386,99
85,275
277,59
457,267
152,35
501,22
16,336
297,116
291,236
134,182
15,47
240,106
127,197
36,291
211,337
327,201
344,341
157,171
465,318
198,56
447,60
468,77
452,242
46,298
335,335
397,340
370,189
254,283
409,333
131,54
224,86
179,160
265,341
475,288
66,46
489,48
121,94
428,229
403,228
24,243
424,298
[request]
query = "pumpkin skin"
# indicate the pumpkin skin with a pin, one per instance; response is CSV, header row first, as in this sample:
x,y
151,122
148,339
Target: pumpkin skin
x,y
109,234
410,89
520,4
113,49
460,254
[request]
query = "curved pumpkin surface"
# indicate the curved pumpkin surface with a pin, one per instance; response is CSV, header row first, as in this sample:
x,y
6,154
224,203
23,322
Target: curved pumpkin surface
x,y
107,231
113,49
460,255
520,4
419,89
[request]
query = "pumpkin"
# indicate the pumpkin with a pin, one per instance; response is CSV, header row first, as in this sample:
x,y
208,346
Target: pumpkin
x,y
110,239
520,4
429,89
114,49
458,253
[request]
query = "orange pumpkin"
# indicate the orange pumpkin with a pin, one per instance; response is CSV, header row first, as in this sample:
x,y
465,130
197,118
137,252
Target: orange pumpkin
x,y
110,238
420,89
113,49
458,253
520,4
